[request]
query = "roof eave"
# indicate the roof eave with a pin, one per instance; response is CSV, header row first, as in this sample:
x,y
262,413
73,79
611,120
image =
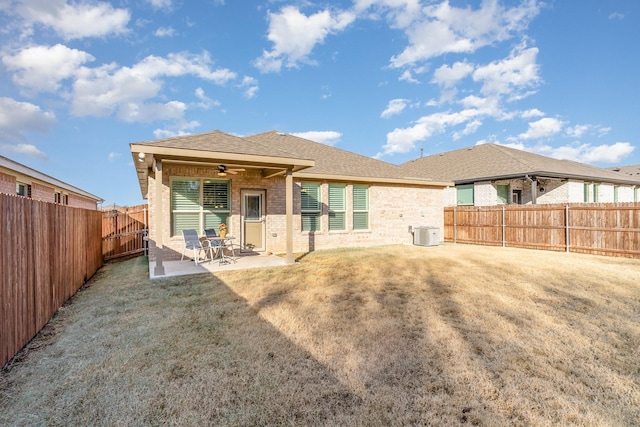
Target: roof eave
x,y
547,174
349,178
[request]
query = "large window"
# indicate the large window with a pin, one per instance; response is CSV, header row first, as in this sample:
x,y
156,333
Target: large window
x,y
337,207
465,195
23,189
360,207
198,204
310,206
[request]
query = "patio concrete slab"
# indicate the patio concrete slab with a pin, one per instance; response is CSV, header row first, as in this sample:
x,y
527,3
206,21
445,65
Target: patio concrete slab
x,y
187,266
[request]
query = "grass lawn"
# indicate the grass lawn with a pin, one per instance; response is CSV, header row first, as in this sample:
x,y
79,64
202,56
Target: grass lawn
x,y
398,335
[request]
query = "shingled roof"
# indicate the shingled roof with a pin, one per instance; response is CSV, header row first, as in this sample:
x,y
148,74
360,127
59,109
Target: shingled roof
x,y
491,162
331,161
633,170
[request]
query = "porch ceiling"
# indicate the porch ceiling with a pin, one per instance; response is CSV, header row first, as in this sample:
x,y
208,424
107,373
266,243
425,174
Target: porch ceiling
x,y
270,166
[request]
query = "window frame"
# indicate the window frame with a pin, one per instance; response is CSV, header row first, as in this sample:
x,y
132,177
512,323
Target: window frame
x,y
308,211
358,209
337,208
466,187
202,210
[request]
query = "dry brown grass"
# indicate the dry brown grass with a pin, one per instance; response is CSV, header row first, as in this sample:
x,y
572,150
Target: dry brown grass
x,y
388,336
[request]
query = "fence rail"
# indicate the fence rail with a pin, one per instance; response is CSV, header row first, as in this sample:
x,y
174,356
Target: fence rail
x,y
47,252
604,229
124,231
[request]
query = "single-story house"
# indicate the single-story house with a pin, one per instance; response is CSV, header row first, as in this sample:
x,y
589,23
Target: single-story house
x,y
490,174
16,178
277,193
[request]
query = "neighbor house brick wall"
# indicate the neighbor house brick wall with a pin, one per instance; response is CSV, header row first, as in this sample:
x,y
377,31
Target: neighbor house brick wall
x,y
7,183
392,209
625,193
485,194
81,202
41,192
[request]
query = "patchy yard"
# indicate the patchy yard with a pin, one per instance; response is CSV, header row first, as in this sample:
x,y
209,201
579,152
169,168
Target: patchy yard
x,y
388,336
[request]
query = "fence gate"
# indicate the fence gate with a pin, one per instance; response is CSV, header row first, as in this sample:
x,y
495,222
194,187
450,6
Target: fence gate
x,y
124,231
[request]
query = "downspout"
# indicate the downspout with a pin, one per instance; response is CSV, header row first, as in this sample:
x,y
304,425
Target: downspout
x,y
534,188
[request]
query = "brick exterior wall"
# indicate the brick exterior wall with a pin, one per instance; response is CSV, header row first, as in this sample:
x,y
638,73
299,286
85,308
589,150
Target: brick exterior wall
x,y
42,192
7,184
81,202
392,209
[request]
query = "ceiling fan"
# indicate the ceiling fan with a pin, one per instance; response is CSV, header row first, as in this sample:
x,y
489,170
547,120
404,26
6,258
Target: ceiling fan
x,y
223,170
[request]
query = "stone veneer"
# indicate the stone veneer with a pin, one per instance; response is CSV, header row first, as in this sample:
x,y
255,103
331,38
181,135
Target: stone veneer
x,y
392,210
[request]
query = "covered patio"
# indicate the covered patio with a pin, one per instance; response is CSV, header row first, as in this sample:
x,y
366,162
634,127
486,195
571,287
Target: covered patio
x,y
187,266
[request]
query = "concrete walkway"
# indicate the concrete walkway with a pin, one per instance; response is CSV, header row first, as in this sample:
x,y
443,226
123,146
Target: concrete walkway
x,y
187,266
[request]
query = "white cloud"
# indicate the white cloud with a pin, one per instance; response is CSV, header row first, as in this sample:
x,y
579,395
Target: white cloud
x,y
402,140
449,76
445,29
529,114
205,102
543,128
182,128
577,131
617,15
401,12
469,129
102,91
395,106
42,68
18,118
165,32
407,76
250,86
323,137
588,153
294,35
112,156
512,74
160,4
28,149
74,20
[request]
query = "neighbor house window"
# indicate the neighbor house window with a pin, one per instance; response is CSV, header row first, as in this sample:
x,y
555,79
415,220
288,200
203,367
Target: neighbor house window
x,y
595,192
65,199
360,207
503,194
586,192
57,197
464,195
23,189
337,206
310,206
198,204
615,193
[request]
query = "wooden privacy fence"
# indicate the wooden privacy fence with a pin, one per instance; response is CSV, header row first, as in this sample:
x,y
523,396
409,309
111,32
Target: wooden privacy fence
x,y
595,228
47,252
124,231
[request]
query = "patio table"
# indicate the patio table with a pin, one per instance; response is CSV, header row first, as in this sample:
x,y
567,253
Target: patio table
x,y
221,243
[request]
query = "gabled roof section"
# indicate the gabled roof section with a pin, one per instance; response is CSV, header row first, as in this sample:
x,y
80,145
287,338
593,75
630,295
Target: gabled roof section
x,y
27,171
335,163
491,162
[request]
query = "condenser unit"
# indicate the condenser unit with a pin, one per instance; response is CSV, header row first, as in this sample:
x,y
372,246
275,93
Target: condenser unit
x,y
426,236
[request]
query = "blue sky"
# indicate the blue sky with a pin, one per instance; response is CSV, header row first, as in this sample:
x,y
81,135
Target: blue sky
x,y
383,78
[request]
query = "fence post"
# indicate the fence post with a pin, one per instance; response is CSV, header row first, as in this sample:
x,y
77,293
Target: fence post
x,y
566,226
503,243
454,226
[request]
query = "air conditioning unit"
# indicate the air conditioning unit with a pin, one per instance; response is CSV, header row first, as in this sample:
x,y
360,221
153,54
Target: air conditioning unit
x,y
426,236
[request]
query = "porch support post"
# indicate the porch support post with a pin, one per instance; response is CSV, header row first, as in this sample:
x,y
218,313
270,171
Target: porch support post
x,y
159,220
289,215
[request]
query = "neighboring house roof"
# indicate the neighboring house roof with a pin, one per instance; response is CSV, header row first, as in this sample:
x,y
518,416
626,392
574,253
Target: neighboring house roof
x,y
21,169
273,152
487,162
633,170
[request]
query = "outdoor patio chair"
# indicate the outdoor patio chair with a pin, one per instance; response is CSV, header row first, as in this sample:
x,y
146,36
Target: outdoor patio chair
x,y
192,242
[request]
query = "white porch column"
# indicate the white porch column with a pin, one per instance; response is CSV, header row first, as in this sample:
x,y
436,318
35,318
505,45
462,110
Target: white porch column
x,y
159,220
289,216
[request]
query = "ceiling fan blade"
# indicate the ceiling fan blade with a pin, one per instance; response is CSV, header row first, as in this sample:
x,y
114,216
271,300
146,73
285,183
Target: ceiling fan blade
x,y
237,169
232,171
